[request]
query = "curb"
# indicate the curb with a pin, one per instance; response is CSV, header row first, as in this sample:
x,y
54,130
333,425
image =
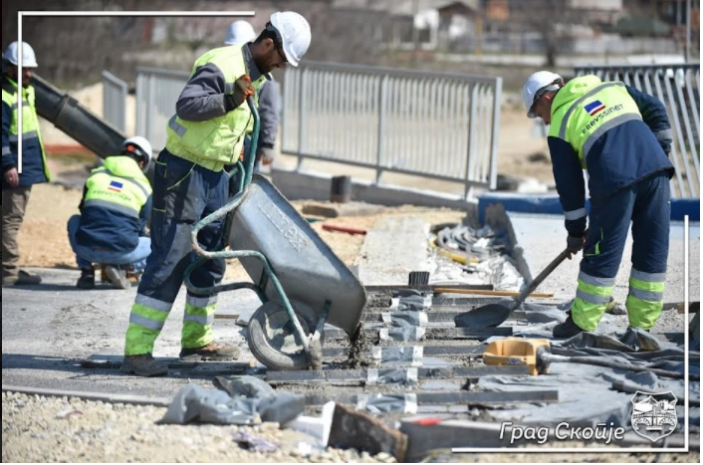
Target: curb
x,y
549,205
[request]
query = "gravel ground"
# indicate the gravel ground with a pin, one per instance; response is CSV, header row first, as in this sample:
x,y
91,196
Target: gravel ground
x,y
39,429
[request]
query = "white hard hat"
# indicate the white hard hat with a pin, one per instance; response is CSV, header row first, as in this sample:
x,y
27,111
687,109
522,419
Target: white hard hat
x,y
541,80
29,59
143,148
240,33
295,34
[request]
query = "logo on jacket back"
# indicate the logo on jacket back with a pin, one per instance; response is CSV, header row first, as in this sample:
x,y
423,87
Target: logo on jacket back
x,y
115,186
594,107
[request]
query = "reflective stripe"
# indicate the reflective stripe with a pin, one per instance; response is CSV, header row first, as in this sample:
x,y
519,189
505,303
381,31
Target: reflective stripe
x,y
593,281
575,214
112,206
577,104
202,320
130,180
24,104
594,299
665,134
648,277
25,136
177,128
201,302
613,123
646,295
153,303
146,322
6,151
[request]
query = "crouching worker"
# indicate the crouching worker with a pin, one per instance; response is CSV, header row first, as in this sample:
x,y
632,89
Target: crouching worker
x,y
111,228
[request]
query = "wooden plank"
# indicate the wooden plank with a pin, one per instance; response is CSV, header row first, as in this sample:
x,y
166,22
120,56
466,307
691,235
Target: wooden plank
x,y
444,290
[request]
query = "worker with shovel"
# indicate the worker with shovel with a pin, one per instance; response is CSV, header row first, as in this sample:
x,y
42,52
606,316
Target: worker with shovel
x,y
212,119
622,137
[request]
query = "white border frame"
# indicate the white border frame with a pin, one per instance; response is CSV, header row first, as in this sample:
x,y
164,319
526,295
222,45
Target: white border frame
x,y
95,14
686,449
623,450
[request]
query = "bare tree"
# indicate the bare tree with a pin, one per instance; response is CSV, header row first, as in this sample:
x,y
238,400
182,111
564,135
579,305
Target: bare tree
x,y
552,19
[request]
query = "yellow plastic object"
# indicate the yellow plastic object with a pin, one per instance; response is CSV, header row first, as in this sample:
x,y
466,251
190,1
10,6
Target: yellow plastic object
x,y
457,257
514,351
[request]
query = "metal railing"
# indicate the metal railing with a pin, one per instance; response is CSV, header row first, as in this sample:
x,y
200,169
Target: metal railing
x,y
157,94
678,87
440,126
114,100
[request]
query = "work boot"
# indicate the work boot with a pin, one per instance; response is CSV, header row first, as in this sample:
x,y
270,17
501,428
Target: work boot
x,y
144,365
117,277
567,330
213,352
87,279
21,279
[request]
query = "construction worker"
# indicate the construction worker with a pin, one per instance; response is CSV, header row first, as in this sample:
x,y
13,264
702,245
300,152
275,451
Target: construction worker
x,y
240,33
622,137
16,186
207,133
111,228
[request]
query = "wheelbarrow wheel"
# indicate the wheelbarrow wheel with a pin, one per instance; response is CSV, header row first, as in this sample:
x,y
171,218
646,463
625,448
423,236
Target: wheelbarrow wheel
x,y
271,336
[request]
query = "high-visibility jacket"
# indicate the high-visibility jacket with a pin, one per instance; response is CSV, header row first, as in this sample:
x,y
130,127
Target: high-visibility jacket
x,y
213,137
34,167
618,134
115,206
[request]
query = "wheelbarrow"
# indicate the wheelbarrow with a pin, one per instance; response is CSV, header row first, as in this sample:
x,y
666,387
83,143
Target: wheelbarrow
x,y
301,283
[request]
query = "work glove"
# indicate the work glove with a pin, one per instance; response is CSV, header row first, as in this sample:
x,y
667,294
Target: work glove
x,y
265,155
243,88
574,244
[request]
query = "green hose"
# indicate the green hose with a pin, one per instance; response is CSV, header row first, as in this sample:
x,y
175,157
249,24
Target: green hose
x,y
245,176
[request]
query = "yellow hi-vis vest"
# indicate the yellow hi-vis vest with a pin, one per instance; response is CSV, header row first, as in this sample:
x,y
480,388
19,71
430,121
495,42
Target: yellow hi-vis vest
x,y
119,185
218,141
30,121
586,108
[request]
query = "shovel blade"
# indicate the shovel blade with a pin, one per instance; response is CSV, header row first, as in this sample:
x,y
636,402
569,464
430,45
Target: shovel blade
x,y
488,316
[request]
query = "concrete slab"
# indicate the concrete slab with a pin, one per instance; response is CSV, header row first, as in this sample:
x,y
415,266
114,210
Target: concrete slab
x,y
540,238
393,248
302,185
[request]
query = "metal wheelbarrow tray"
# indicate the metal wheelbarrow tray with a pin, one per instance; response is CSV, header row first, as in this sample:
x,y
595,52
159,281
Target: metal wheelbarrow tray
x,y
319,285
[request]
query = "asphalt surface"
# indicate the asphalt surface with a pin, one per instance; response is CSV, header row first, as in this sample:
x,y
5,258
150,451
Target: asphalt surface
x,y
47,329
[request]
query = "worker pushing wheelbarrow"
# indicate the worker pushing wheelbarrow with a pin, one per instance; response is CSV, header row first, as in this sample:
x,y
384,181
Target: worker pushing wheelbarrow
x,y
302,284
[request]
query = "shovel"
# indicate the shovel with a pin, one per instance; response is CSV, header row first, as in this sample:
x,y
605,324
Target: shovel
x,y
490,316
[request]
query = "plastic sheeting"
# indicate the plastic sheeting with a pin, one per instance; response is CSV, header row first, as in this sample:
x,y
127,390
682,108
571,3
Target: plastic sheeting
x,y
590,395
194,404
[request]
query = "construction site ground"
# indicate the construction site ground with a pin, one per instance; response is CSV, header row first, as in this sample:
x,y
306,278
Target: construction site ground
x,y
49,330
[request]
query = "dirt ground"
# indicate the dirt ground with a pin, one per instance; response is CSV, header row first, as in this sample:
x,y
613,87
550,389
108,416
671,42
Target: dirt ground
x,y
43,239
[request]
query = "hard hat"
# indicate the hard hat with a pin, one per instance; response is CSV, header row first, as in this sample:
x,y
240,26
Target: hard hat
x,y
295,34
240,33
140,147
29,59
541,80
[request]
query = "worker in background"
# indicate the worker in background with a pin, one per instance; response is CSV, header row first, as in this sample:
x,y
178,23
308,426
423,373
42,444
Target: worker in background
x,y
206,134
622,137
16,186
111,229
241,33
